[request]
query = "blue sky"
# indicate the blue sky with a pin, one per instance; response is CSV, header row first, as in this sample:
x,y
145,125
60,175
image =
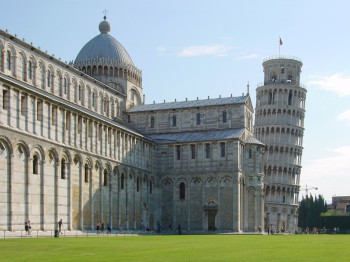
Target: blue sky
x,y
190,49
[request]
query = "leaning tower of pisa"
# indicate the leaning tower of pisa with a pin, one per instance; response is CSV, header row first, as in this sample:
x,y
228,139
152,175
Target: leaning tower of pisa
x,y
279,124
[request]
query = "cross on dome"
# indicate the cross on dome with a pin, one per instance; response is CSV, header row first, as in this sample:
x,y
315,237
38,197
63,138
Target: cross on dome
x,y
105,14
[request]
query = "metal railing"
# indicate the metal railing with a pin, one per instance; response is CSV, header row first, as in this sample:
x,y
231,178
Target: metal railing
x,y
4,234
282,57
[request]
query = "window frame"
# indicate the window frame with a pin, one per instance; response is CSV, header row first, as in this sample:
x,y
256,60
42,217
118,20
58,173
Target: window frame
x,y
193,151
182,191
224,117
178,152
222,149
198,119
207,150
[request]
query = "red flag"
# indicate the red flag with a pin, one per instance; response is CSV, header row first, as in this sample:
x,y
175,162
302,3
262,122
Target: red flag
x,y
281,43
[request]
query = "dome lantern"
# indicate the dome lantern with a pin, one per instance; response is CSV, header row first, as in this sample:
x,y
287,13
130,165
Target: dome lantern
x,y
104,26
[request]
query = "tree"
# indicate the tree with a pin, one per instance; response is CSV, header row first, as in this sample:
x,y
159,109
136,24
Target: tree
x,y
309,211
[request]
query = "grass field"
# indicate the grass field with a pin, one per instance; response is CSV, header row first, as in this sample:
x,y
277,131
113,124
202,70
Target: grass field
x,y
180,248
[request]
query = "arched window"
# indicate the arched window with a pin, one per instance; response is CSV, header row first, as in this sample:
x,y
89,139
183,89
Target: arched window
x,y
182,190
290,78
116,109
79,93
224,117
23,69
30,71
290,97
63,169
65,86
138,185
93,99
174,120
150,187
178,152
107,108
105,177
249,153
75,92
198,118
48,78
67,120
282,69
122,182
223,149
35,164
207,150
152,121
8,60
86,176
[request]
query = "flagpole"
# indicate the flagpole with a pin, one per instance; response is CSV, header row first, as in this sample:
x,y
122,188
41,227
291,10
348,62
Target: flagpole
x,y
279,48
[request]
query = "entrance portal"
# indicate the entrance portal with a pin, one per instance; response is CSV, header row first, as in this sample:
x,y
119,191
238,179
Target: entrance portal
x,y
211,220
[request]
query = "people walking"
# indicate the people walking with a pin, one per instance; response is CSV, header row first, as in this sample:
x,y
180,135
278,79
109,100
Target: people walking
x,y
60,224
179,229
98,227
103,227
29,228
26,228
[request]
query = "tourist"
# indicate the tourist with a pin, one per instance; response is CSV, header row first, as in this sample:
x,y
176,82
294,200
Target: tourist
x,y
29,228
179,229
98,226
60,223
26,227
102,227
109,228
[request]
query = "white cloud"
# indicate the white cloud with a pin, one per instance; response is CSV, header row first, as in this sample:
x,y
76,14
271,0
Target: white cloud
x,y
161,49
338,83
252,56
330,174
345,116
201,50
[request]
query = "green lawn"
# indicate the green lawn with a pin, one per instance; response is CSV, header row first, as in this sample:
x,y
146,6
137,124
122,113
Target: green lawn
x,y
180,248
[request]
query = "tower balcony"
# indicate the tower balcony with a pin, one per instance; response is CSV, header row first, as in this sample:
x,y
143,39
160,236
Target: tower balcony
x,y
281,82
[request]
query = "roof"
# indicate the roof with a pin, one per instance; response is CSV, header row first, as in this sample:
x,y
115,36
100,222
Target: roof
x,y
104,47
208,135
190,104
253,140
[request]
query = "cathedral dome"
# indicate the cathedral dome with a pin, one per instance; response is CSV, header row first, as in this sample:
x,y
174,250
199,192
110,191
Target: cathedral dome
x,y
104,48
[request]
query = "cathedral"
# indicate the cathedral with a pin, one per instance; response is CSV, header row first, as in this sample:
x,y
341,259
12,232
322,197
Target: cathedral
x,y
78,143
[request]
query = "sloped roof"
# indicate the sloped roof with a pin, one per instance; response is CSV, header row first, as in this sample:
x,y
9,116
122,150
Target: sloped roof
x,y
189,104
253,140
196,136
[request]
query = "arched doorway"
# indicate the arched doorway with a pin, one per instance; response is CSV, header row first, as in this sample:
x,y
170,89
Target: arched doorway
x,y
211,210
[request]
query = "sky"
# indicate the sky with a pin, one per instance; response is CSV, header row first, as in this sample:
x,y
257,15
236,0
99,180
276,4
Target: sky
x,y
190,49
